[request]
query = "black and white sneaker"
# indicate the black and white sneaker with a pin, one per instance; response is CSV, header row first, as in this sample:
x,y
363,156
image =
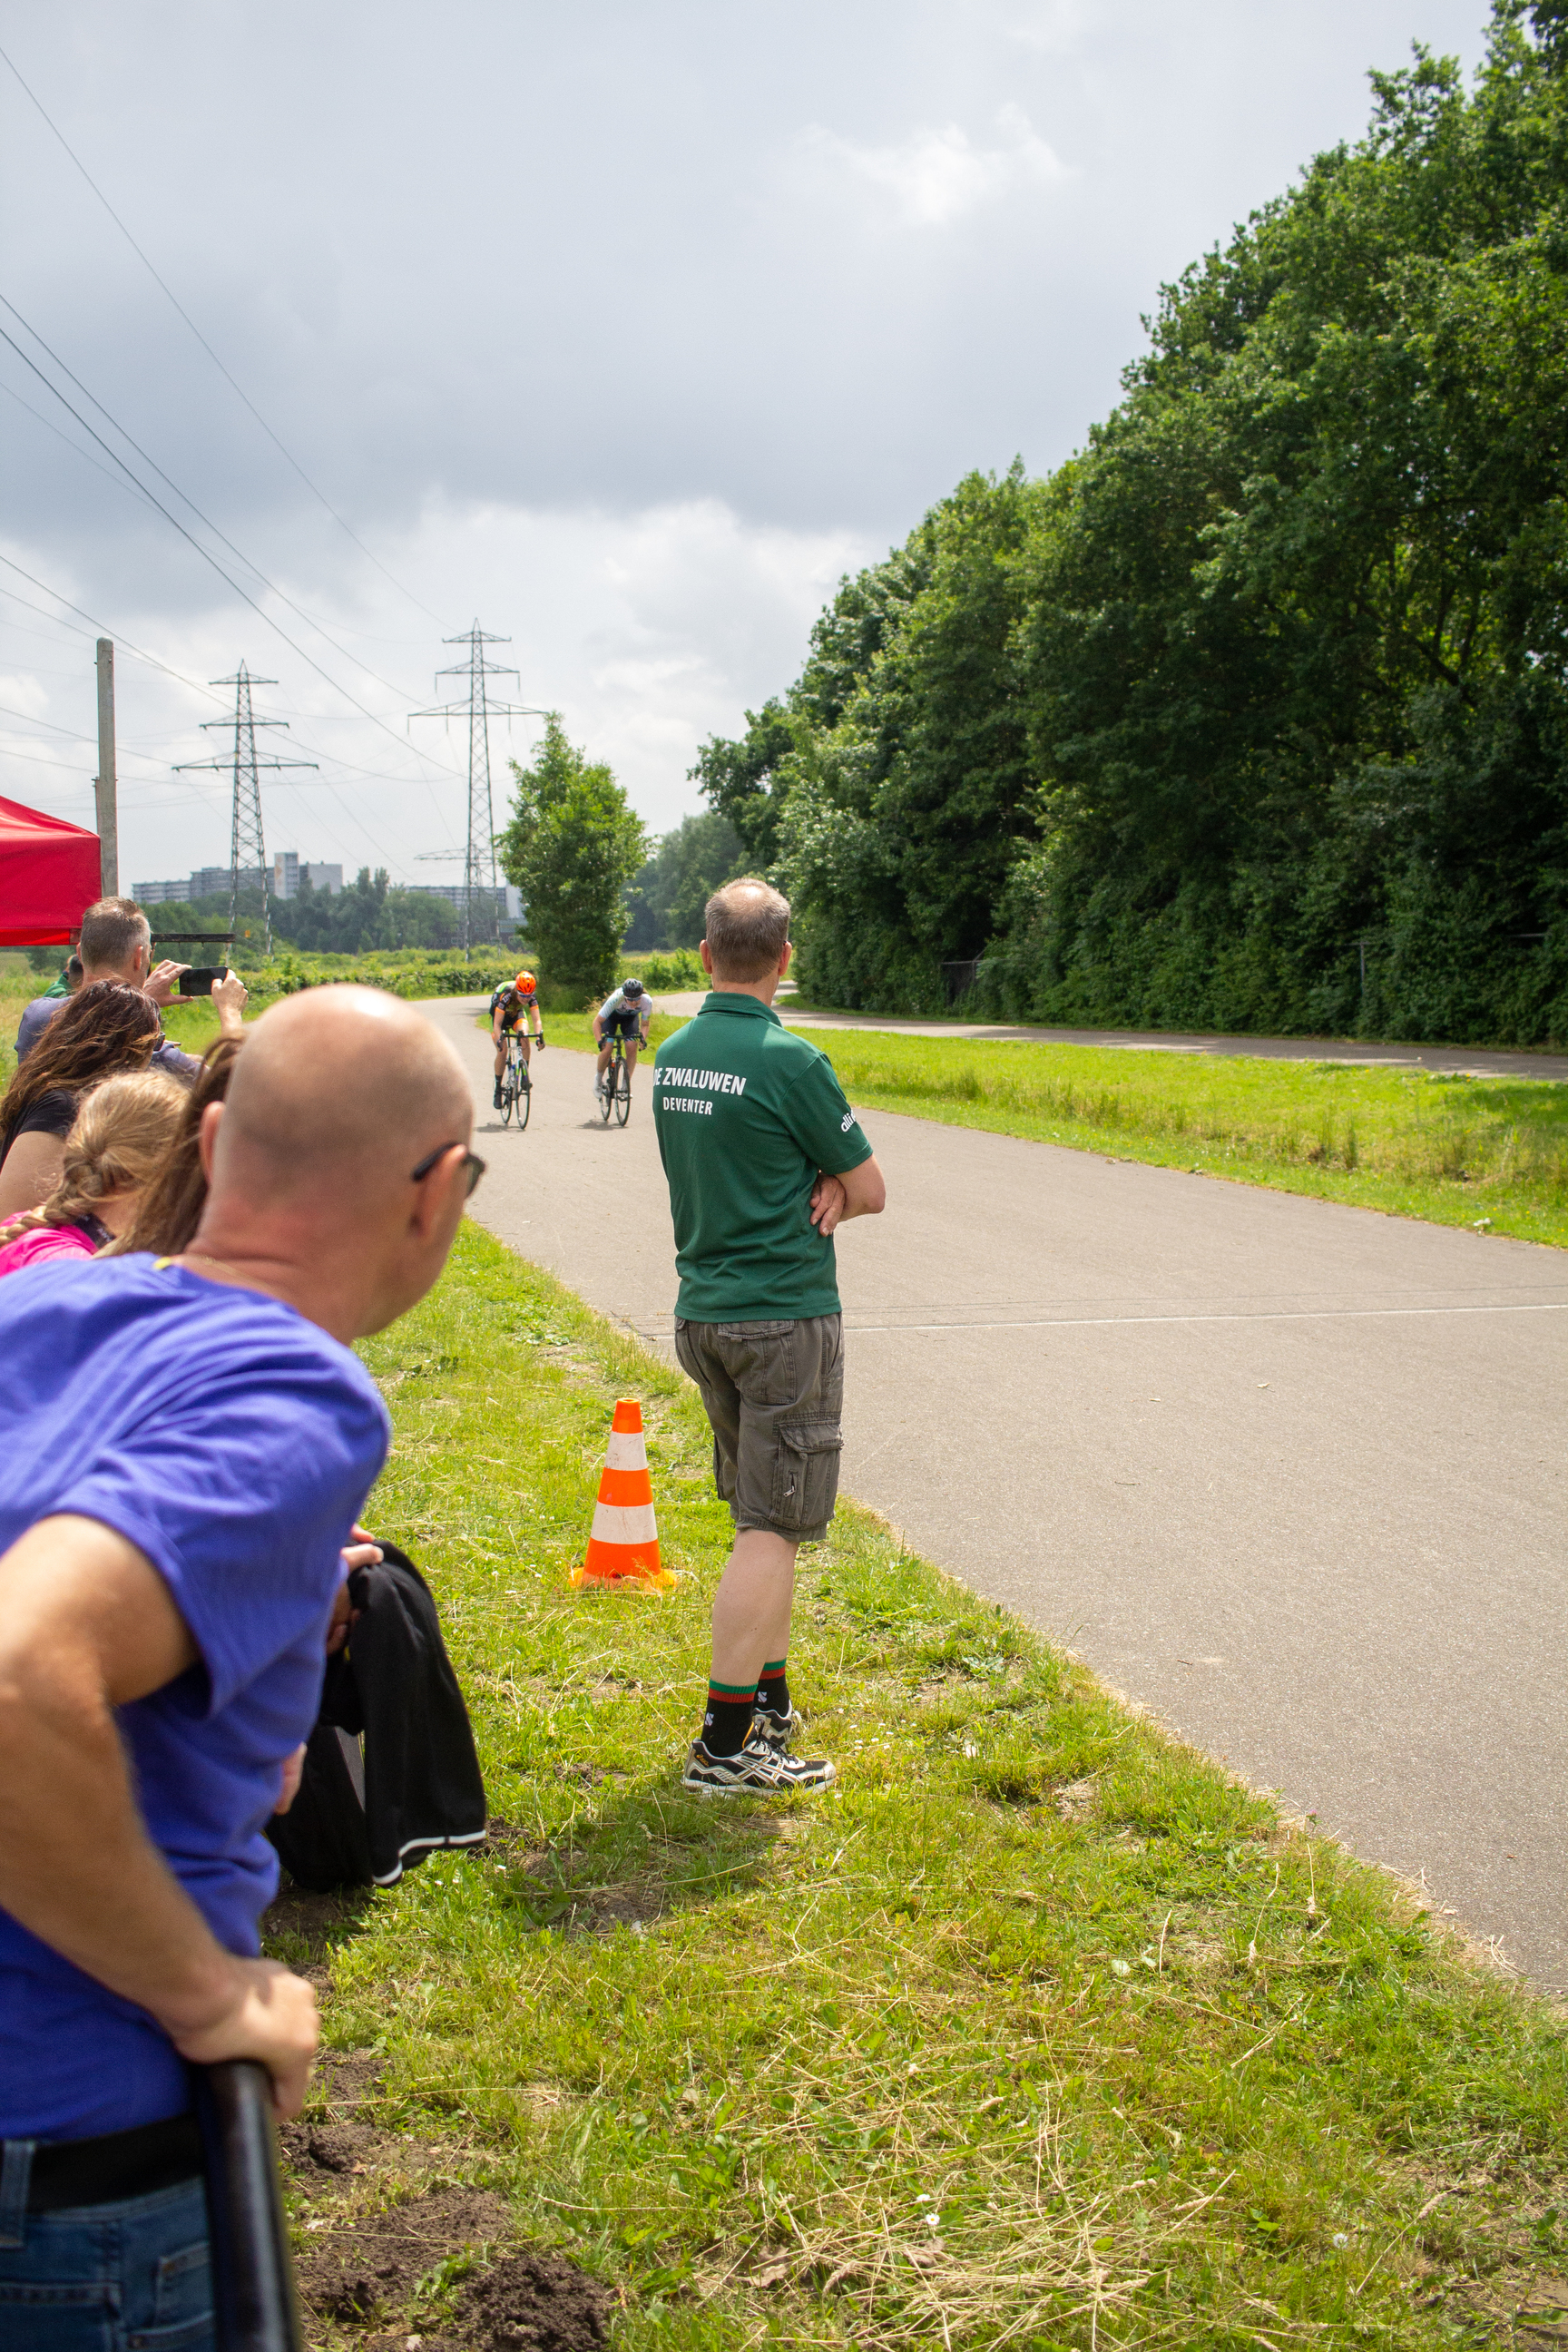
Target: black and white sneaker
x,y
775,1732
756,1771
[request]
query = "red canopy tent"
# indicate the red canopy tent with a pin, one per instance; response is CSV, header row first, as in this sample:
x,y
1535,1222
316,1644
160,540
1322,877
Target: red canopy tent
x,y
49,872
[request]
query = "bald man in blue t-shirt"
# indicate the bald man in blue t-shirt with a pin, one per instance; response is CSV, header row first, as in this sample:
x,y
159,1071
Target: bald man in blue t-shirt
x,y
170,1565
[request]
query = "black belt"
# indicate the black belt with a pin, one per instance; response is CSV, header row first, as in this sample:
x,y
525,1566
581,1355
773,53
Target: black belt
x,y
121,2164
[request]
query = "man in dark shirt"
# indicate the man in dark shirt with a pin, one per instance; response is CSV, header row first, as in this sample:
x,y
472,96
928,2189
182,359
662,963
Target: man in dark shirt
x,y
170,1563
117,944
764,1160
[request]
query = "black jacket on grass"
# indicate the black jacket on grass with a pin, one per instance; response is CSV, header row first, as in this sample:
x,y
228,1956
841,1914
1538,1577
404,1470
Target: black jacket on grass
x,y
363,1820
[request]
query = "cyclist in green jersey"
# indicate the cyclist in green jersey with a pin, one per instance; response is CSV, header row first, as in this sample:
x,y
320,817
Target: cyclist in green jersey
x,y
515,1005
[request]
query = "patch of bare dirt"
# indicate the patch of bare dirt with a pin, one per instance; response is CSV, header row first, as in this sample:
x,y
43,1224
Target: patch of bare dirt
x,y
320,2155
354,2272
348,2080
530,2302
296,1912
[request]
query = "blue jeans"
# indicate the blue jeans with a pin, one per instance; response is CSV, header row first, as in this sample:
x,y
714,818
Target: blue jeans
x,y
127,2277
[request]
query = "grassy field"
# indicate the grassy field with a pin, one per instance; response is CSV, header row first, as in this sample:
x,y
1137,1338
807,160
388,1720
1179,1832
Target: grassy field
x,y
1038,2031
1484,1152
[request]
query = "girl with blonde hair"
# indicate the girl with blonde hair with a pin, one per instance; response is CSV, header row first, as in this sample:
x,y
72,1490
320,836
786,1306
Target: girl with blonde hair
x,y
124,1131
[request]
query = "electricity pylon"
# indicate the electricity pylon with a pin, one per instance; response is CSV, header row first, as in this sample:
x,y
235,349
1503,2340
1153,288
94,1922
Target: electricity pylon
x,y
245,829
479,862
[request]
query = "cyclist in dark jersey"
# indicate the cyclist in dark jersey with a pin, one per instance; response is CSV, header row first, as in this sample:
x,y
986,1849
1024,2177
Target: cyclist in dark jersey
x,y
627,1013
515,1005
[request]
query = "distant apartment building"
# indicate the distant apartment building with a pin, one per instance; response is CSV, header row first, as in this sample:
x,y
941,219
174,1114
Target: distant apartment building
x,y
212,881
504,902
207,882
287,873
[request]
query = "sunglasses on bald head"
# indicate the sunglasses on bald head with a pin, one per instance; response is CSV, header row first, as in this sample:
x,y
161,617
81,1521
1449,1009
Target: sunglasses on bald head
x,y
473,1167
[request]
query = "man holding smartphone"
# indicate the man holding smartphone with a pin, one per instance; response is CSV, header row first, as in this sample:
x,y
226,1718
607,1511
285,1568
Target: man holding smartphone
x,y
117,944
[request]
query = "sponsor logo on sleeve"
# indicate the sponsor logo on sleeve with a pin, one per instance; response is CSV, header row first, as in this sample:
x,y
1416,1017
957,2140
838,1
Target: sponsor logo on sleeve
x,y
846,1122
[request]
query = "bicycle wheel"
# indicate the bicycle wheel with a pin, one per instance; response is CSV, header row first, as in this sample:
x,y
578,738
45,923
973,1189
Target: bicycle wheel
x,y
525,1097
506,1099
623,1094
606,1091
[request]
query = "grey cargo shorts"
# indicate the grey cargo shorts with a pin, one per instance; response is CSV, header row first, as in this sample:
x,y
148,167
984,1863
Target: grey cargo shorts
x,y
774,1395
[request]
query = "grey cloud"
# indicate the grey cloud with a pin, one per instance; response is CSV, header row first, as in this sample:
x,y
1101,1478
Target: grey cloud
x,y
569,268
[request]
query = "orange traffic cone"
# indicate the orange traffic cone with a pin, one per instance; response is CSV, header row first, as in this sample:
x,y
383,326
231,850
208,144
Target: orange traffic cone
x,y
625,1540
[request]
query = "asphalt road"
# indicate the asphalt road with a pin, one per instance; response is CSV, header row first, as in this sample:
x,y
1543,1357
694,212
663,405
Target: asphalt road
x,y
1288,1474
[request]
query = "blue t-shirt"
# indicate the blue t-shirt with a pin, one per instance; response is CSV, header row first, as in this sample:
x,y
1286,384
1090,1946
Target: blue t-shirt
x,y
235,1444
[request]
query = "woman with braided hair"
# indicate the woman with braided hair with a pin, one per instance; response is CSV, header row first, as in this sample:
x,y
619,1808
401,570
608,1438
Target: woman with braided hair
x,y
123,1133
106,1028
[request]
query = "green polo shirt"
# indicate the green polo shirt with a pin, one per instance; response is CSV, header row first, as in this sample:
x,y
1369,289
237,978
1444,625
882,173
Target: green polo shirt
x,y
746,1114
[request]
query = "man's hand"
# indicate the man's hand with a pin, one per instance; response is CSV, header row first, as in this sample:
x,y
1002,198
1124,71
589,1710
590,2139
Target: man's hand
x,y
363,1552
229,996
858,1193
268,2013
293,1773
159,981
828,1203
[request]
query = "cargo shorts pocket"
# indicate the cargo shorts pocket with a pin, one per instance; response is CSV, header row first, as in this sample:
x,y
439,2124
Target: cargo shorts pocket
x,y
805,1473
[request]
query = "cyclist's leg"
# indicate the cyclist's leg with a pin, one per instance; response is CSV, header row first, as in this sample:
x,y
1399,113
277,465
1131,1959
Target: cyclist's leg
x,y
631,1056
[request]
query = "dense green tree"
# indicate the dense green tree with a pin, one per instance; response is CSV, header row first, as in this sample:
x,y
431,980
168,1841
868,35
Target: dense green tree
x,y
573,845
1255,715
748,781
667,898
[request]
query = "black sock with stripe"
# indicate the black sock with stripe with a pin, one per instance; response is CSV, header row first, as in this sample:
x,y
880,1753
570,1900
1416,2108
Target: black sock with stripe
x,y
772,1689
728,1718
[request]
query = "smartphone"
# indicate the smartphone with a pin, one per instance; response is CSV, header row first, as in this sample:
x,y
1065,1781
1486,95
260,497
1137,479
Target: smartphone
x,y
198,981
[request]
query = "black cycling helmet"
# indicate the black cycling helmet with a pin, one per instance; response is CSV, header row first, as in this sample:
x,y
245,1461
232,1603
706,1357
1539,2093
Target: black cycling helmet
x,y
631,988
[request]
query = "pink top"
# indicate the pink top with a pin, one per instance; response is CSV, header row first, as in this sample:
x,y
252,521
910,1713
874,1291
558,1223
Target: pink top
x,y
41,1242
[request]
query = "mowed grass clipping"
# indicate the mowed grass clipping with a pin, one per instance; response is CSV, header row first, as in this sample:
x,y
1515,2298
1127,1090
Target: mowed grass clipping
x,y
1037,2032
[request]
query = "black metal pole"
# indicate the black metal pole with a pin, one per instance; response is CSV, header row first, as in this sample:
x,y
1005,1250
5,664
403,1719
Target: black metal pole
x,y
254,2303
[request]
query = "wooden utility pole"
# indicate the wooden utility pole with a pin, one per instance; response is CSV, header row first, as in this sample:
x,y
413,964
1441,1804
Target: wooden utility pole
x,y
104,786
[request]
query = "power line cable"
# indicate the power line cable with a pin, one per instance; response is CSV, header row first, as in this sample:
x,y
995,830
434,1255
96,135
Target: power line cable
x,y
158,504
106,629
75,447
95,627
206,553
184,496
206,347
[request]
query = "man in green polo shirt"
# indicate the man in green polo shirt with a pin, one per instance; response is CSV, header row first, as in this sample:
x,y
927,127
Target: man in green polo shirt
x,y
764,1161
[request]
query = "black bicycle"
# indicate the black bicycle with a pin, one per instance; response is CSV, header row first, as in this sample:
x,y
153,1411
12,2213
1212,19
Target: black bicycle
x,y
516,1086
615,1087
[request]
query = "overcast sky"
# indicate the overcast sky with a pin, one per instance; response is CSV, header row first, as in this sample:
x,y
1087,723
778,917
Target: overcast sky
x,y
624,328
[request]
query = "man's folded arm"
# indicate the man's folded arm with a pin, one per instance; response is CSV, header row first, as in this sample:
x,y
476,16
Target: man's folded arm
x,y
86,1624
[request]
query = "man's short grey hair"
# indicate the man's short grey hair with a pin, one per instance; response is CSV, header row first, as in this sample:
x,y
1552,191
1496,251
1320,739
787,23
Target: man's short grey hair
x,y
111,931
748,923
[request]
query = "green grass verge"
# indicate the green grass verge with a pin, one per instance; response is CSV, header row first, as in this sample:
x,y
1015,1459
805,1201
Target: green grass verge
x,y
1037,2031
1486,1152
